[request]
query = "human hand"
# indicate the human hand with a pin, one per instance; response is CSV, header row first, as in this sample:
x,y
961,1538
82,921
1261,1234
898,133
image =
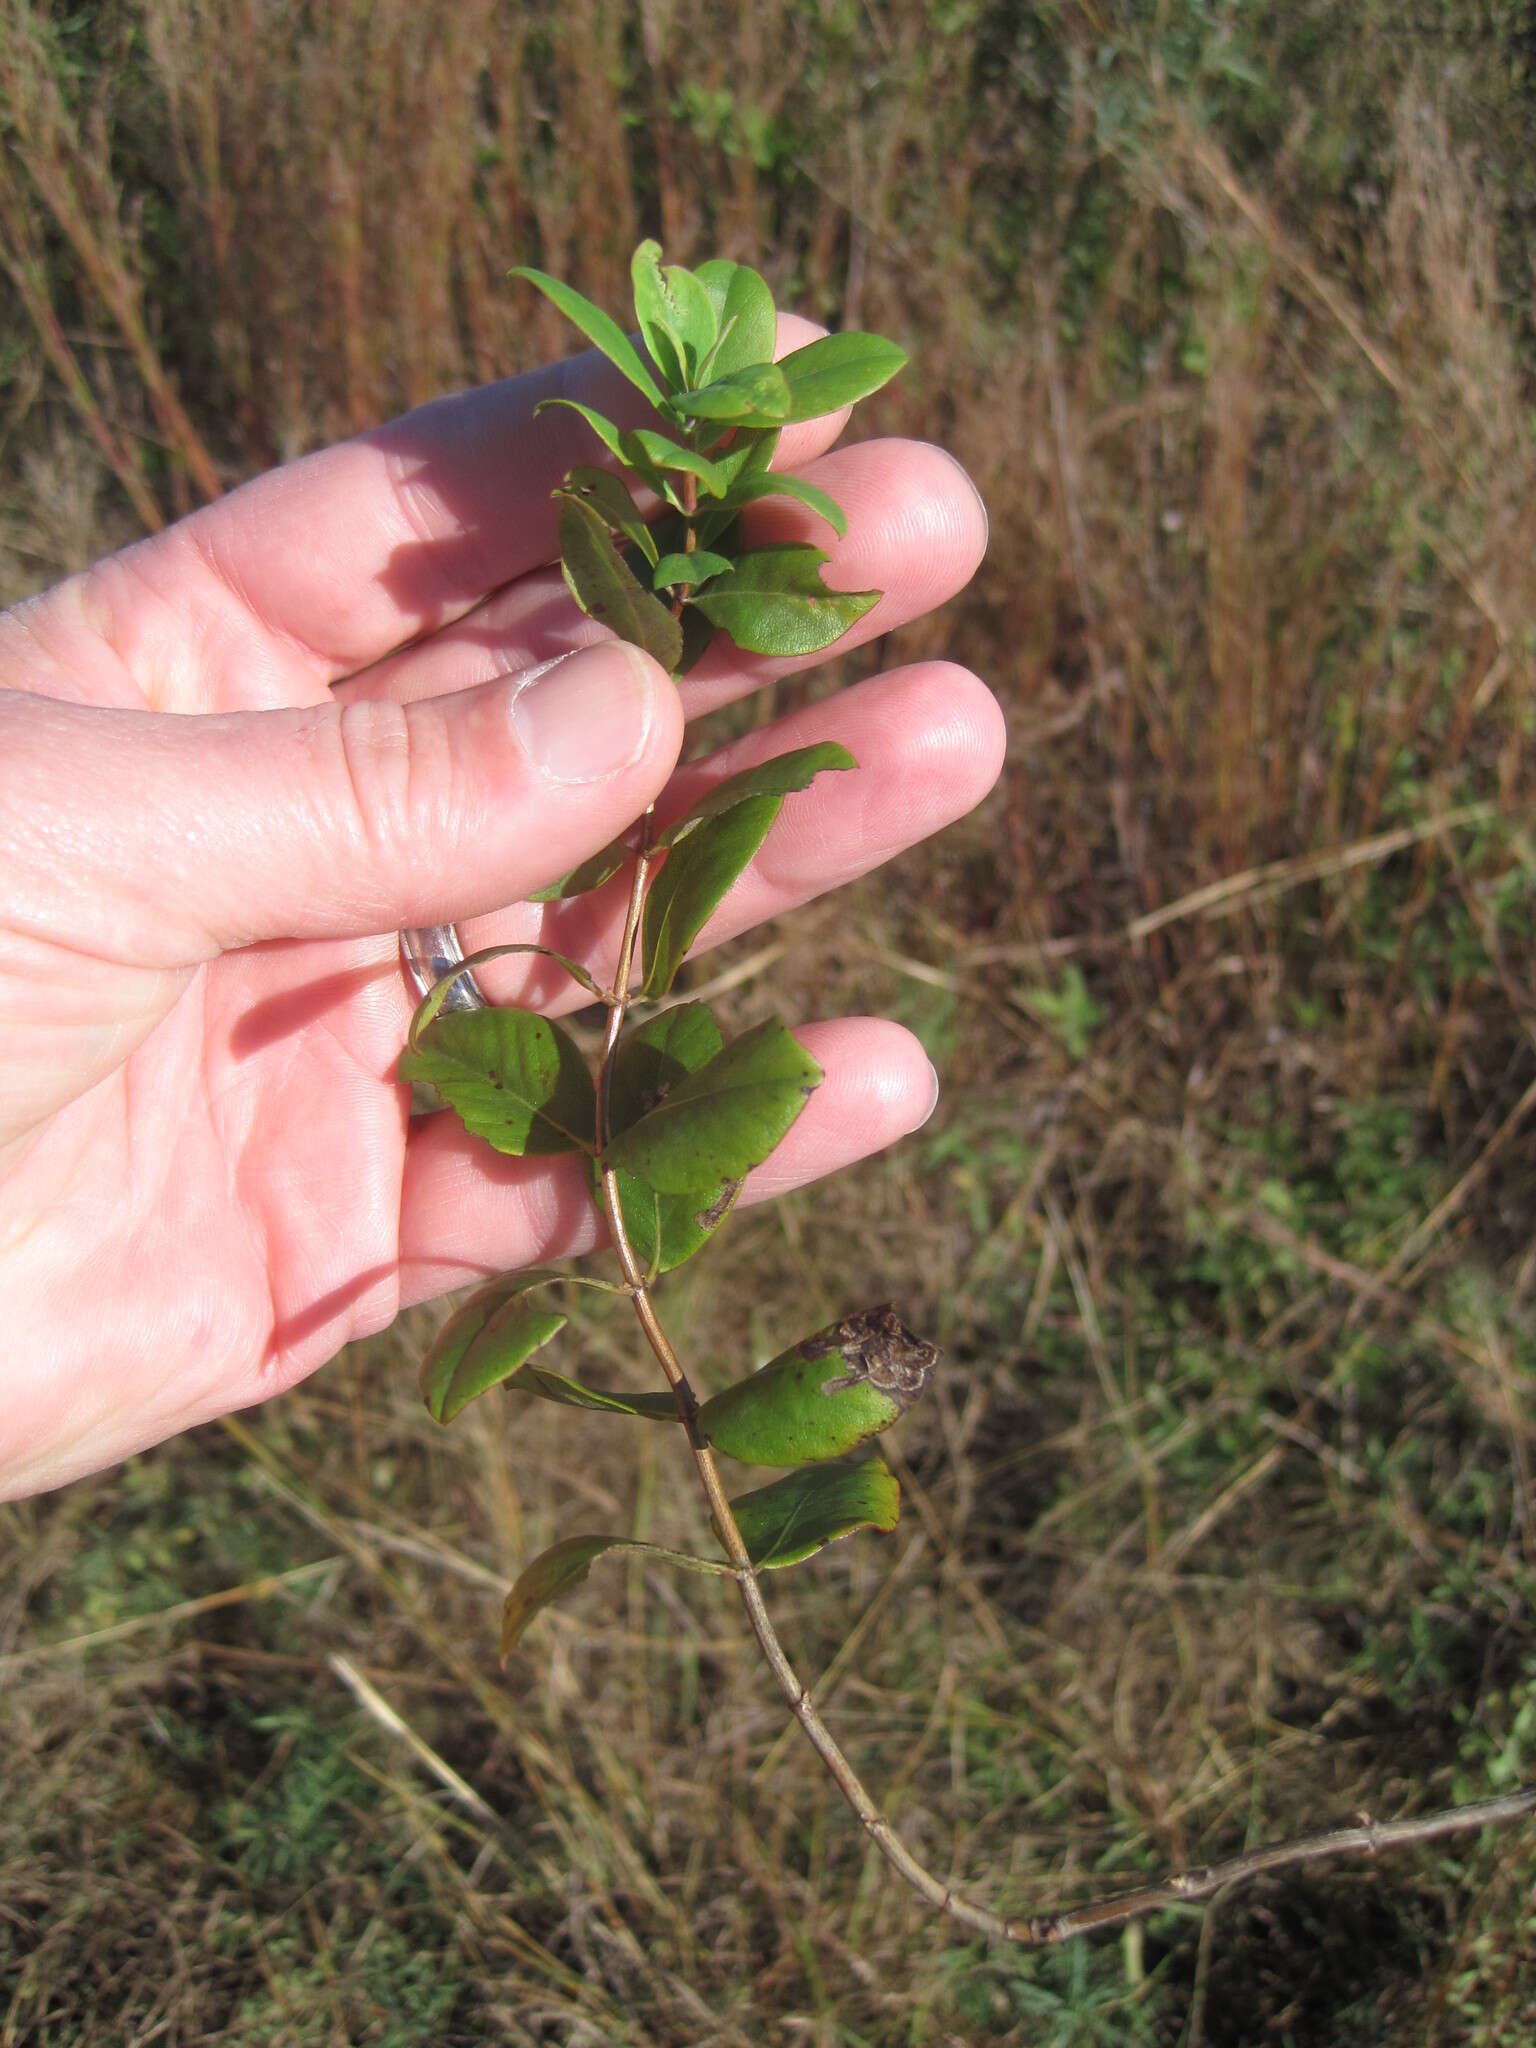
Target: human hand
x,y
235,758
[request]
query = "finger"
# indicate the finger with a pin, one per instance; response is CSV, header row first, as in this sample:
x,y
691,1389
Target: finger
x,y
323,566
467,1211
917,531
163,841
929,743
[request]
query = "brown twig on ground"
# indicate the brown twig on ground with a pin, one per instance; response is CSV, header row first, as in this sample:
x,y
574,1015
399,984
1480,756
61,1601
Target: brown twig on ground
x,y
1229,892
1366,1838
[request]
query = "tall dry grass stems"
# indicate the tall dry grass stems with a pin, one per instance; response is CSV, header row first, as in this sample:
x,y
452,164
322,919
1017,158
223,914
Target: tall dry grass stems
x,y
295,221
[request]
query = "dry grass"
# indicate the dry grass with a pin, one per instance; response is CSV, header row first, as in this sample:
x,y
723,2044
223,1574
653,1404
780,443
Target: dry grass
x,y
1220,1526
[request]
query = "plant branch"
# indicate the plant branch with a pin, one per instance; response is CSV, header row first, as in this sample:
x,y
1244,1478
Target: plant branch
x,y
1367,1838
797,1696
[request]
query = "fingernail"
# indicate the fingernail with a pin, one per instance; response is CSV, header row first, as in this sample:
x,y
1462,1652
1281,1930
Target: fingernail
x,y
933,1100
588,716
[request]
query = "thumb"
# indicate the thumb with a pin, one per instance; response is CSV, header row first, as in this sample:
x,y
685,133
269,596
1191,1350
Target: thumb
x,y
165,839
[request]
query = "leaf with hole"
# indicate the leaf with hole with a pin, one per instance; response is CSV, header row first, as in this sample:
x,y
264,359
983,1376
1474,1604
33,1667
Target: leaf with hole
x,y
744,308
487,1341
697,876
718,1123
774,602
824,1396
838,370
604,332
782,775
564,1565
621,446
654,458
515,1079
791,1520
610,497
676,315
605,589
664,1230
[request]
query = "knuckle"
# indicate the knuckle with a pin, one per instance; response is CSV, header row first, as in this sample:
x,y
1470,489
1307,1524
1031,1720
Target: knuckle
x,y
395,774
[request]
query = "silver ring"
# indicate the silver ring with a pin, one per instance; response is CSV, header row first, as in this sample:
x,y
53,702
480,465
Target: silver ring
x,y
429,954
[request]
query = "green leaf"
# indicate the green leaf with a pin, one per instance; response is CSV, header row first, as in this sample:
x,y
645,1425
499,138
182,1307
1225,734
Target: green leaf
x,y
744,308
825,1396
781,776
753,486
718,1123
663,1230
591,874
817,1401
611,436
620,446
756,396
664,454
605,589
515,1079
651,1058
676,315
612,499
748,453
791,1520
694,569
774,602
838,370
665,354
551,1386
697,875
437,995
486,1341
599,329
650,455
564,1565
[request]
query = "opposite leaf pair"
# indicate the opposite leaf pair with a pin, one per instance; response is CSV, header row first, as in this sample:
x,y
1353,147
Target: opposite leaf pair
x,y
688,1116
813,1404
